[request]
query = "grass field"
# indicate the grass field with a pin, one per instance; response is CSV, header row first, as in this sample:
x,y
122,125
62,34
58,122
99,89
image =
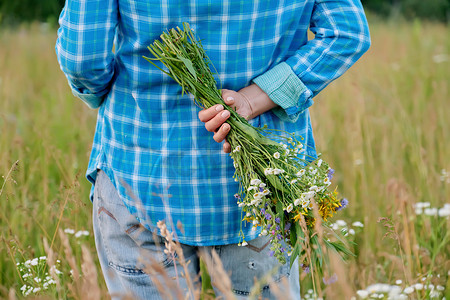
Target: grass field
x,y
384,127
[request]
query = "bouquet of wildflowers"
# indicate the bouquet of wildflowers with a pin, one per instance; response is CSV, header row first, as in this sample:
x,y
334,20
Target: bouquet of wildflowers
x,y
281,190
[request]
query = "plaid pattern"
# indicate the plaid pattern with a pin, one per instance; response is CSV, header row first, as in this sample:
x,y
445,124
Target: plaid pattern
x,y
148,139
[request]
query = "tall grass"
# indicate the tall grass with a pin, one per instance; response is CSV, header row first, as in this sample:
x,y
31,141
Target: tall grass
x,y
383,126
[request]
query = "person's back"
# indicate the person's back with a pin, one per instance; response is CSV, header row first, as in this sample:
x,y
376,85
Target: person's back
x,y
149,141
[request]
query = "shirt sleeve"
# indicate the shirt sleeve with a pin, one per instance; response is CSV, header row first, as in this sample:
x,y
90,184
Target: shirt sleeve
x,y
341,38
84,47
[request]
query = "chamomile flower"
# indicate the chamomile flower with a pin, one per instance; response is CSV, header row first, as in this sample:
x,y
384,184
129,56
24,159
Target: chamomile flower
x,y
276,155
268,171
289,208
255,182
300,173
278,171
319,162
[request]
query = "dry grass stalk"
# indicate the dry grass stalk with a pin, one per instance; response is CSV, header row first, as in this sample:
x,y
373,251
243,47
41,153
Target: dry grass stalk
x,y
408,239
219,277
90,278
51,264
72,263
280,290
166,285
12,294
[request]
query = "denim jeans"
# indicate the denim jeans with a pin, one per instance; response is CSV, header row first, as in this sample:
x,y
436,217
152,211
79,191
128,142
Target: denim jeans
x,y
124,246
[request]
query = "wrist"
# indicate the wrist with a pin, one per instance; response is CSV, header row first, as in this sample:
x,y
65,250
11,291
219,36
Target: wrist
x,y
257,99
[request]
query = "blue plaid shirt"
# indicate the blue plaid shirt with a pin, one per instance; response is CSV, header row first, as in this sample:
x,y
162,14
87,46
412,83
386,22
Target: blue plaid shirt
x,y
149,140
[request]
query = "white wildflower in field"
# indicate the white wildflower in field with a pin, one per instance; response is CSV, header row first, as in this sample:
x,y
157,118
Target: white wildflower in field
x,y
35,276
81,233
341,223
358,162
276,155
431,211
357,224
422,204
444,211
363,294
409,290
445,176
69,231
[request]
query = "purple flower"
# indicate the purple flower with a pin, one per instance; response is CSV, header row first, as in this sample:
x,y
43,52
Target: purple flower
x,y
271,253
277,220
269,225
305,268
263,211
282,250
261,189
277,228
268,216
288,226
330,173
344,203
279,236
330,280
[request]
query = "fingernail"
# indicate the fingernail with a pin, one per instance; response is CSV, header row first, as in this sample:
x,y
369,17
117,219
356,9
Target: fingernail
x,y
219,107
230,99
225,114
226,127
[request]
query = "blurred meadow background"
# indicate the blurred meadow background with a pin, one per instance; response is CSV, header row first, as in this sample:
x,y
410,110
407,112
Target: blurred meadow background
x,y
384,127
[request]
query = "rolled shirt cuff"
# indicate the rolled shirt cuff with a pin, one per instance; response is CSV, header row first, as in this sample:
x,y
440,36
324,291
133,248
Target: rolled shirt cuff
x,y
92,100
287,90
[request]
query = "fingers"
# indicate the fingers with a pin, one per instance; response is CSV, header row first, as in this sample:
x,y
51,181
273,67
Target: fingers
x,y
226,147
229,97
217,120
207,114
221,134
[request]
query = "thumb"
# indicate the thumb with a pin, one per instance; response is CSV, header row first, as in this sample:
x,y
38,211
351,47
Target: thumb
x,y
229,97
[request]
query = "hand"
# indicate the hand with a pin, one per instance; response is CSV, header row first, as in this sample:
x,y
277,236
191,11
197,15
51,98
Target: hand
x,y
248,102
